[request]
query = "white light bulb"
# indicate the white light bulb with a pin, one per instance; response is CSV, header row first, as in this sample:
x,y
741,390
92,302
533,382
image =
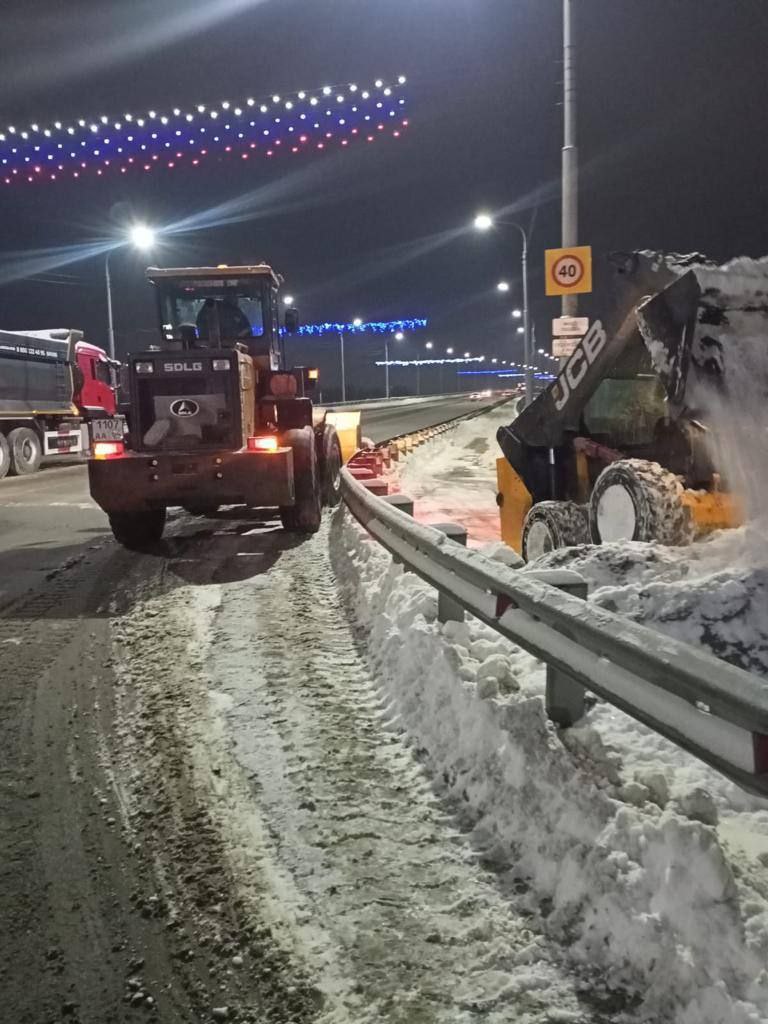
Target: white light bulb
x,y
378,83
275,99
225,105
289,105
483,222
152,113
326,90
401,80
502,286
201,108
353,87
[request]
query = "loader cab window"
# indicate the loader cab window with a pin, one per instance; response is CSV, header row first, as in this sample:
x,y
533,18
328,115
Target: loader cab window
x,y
221,312
624,411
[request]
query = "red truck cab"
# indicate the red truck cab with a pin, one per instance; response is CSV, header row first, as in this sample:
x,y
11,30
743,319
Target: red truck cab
x,y
96,384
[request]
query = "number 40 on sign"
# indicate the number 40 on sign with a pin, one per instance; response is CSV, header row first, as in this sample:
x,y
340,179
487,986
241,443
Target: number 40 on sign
x,y
568,271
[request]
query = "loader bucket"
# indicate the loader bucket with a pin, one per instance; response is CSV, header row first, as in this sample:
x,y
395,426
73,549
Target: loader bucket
x,y
667,323
347,423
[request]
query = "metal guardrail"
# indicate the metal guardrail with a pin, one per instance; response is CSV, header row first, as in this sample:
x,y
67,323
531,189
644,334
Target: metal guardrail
x,y
712,709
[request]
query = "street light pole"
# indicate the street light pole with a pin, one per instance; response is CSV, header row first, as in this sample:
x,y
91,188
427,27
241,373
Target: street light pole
x,y
110,319
386,367
343,373
570,210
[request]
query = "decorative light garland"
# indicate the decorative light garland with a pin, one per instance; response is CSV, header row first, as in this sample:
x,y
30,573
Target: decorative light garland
x,y
540,374
307,120
373,326
432,362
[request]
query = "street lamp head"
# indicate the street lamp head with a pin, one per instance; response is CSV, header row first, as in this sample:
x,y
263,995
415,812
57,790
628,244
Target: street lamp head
x,y
521,330
142,237
466,355
517,313
288,300
483,222
399,336
494,360
429,345
502,286
357,322
449,351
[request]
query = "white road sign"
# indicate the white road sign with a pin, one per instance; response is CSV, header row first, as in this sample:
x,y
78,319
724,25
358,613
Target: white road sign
x,y
564,347
570,326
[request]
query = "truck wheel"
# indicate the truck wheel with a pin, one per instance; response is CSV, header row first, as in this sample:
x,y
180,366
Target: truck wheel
x,y
550,525
330,465
305,515
26,451
638,500
5,456
138,530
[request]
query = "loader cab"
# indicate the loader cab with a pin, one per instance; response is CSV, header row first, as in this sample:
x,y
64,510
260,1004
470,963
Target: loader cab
x,y
215,308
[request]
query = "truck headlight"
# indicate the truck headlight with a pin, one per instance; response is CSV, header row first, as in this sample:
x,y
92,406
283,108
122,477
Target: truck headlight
x,y
220,364
144,367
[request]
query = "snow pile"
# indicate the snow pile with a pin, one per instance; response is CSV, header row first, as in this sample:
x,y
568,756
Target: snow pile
x,y
617,869
453,476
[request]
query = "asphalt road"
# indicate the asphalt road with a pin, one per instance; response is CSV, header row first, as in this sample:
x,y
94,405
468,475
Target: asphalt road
x,y
48,520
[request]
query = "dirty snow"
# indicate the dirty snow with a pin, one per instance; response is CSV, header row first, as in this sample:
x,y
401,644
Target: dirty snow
x,y
617,868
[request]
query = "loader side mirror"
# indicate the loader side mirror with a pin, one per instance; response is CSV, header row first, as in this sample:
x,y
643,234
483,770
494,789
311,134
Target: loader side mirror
x,y
291,321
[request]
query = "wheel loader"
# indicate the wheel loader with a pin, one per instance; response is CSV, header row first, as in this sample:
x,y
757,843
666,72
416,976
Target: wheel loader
x,y
634,440
213,416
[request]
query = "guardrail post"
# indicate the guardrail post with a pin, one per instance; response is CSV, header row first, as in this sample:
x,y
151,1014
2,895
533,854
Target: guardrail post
x,y
449,610
564,696
401,501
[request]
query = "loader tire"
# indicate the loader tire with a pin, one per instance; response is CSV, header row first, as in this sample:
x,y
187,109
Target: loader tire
x,y
634,499
305,515
554,524
330,466
138,531
26,451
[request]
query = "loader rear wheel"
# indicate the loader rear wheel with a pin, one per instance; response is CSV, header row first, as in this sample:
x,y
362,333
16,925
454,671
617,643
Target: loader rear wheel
x,y
634,499
554,524
138,530
331,463
305,515
26,451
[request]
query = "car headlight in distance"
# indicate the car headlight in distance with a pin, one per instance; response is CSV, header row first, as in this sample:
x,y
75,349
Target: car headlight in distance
x,y
220,364
142,367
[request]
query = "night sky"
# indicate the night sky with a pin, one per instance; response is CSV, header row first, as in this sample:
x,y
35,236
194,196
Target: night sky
x,y
673,149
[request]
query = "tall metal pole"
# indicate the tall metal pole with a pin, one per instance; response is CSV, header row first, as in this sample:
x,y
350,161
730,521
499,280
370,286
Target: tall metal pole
x,y
110,321
386,367
343,372
570,212
526,322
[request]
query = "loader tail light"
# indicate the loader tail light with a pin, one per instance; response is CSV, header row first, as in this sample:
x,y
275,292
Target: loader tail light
x,y
262,444
108,449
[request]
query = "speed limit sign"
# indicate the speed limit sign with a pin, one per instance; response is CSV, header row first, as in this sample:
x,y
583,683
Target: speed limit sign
x,y
568,271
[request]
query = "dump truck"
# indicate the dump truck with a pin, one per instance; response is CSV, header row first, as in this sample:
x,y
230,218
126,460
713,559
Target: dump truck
x,y
640,436
52,384
214,418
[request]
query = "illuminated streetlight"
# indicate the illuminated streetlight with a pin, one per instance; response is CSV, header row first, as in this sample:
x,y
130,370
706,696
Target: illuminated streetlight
x,y
399,336
502,286
288,300
357,322
483,222
449,351
429,345
466,355
142,237
521,330
516,313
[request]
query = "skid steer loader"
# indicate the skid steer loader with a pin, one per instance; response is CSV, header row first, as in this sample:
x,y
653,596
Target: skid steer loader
x,y
634,440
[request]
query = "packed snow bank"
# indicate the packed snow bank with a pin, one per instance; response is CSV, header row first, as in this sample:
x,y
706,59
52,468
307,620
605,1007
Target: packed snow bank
x,y
624,877
453,476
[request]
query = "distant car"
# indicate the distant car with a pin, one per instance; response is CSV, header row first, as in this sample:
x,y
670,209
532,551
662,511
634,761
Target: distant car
x,y
477,396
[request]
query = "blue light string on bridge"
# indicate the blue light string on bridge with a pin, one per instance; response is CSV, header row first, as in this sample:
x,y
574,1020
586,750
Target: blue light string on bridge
x,y
372,326
309,119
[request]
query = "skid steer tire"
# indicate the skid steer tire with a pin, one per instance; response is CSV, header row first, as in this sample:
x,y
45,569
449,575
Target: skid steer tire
x,y
305,515
330,466
634,499
26,451
138,531
550,525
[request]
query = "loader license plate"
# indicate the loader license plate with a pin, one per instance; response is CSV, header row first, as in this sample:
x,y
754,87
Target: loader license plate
x,y
108,430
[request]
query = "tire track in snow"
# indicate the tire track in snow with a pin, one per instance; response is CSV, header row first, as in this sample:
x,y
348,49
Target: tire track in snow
x,y
417,926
